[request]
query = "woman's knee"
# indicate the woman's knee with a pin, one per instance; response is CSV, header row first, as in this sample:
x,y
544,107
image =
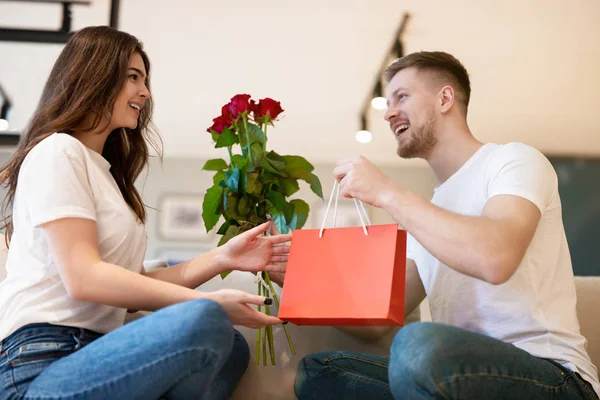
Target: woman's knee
x,y
201,323
240,352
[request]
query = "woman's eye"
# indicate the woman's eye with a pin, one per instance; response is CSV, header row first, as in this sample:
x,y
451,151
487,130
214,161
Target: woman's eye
x,y
133,76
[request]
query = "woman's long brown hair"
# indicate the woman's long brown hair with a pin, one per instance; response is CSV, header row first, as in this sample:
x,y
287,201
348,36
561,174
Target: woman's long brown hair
x,y
85,80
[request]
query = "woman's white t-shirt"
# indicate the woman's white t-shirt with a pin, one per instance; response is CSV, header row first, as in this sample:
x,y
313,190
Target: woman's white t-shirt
x,y
62,178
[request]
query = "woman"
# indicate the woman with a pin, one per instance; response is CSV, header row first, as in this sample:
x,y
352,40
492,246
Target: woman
x,y
77,244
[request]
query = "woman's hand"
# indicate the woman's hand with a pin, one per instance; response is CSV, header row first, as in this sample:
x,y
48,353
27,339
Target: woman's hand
x,y
253,252
236,303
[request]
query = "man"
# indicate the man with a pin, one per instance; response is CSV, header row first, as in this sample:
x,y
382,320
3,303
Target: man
x,y
489,251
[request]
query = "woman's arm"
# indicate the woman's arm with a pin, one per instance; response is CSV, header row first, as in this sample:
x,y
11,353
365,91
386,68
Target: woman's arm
x,y
250,251
74,248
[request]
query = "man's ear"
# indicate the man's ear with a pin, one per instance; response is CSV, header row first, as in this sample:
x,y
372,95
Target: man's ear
x,y
446,96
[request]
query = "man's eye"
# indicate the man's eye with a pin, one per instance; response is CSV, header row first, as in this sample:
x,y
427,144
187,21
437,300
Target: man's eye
x,y
401,96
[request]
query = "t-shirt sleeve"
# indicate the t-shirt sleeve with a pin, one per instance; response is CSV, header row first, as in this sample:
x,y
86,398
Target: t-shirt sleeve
x,y
56,182
520,170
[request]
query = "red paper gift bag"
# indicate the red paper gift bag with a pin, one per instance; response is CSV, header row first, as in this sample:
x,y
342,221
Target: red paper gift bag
x,y
346,277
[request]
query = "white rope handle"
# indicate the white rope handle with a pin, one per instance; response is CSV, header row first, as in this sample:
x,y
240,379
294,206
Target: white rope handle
x,y
360,208
258,279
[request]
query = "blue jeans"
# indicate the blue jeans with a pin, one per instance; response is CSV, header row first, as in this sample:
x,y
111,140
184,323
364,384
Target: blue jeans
x,y
186,351
435,361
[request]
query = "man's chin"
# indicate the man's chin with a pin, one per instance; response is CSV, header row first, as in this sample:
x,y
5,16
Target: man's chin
x,y
407,152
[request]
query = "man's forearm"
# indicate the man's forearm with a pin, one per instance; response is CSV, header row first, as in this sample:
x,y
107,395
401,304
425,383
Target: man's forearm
x,y
471,245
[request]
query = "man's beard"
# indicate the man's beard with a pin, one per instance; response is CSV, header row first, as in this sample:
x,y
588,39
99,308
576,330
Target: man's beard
x,y
421,141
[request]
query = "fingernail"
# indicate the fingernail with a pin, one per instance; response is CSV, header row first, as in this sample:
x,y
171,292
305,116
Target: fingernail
x,y
285,323
268,301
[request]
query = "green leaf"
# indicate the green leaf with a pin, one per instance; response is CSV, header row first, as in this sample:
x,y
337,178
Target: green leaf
x,y
219,176
256,220
210,206
289,186
227,138
239,161
255,134
299,173
301,210
231,206
244,206
315,185
224,274
277,199
253,185
279,220
215,164
233,179
257,153
268,167
288,211
293,162
274,156
223,229
232,232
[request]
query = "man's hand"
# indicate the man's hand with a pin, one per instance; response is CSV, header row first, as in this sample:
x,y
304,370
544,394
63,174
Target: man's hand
x,y
360,179
277,277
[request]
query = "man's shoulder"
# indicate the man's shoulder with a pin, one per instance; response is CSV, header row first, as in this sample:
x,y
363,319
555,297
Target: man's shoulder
x,y
516,153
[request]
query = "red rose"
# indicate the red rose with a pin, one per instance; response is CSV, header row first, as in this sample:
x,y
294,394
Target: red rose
x,y
269,108
253,107
219,125
239,104
226,114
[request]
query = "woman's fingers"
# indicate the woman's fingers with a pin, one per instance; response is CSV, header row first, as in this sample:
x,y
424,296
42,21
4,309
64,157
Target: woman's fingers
x,y
276,239
281,249
257,230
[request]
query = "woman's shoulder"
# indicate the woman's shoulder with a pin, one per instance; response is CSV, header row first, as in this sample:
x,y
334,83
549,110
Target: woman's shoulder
x,y
52,149
61,142
57,145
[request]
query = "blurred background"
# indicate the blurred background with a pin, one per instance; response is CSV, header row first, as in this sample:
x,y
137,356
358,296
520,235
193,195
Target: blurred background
x,y
533,66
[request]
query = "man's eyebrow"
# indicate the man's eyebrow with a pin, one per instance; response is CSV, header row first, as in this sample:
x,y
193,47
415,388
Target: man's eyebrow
x,y
395,92
139,71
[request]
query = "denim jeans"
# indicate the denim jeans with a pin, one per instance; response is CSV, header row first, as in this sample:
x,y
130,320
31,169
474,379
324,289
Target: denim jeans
x,y
435,361
186,351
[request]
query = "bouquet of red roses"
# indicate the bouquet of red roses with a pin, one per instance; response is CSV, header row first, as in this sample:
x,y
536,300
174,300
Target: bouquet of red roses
x,y
254,186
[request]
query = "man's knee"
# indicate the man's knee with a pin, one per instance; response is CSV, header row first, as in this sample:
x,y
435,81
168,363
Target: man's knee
x,y
417,353
311,369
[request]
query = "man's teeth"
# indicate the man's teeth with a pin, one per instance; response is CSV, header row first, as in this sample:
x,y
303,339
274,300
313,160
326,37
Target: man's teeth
x,y
135,106
401,128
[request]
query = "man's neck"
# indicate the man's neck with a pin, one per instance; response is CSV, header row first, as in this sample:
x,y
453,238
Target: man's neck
x,y
451,152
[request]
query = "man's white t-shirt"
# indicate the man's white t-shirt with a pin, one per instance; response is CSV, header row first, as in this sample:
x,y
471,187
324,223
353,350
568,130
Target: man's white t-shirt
x,y
62,178
535,309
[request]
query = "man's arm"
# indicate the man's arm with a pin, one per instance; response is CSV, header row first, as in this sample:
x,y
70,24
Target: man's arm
x,y
489,247
414,295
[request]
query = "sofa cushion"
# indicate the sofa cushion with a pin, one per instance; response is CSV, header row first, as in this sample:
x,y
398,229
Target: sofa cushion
x,y
588,301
